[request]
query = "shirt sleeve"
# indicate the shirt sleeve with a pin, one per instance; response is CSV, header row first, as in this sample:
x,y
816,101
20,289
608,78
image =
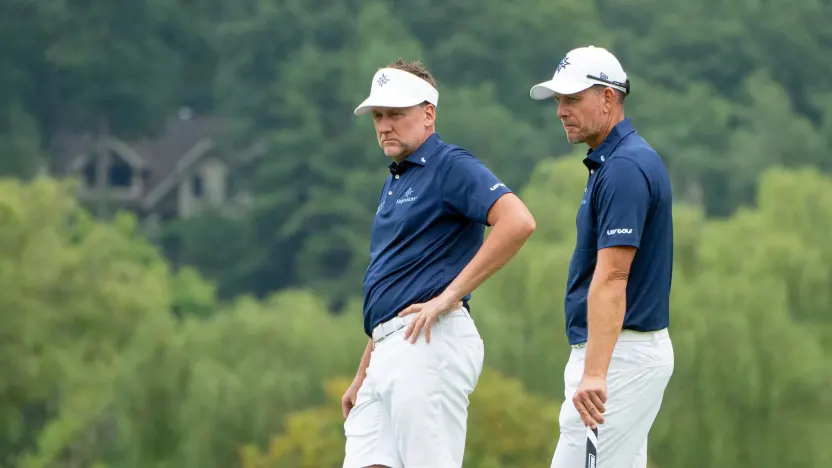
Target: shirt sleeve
x,y
621,203
469,188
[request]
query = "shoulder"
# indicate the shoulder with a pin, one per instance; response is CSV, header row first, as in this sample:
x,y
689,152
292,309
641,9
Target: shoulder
x,y
635,155
622,166
451,154
635,149
454,160
623,173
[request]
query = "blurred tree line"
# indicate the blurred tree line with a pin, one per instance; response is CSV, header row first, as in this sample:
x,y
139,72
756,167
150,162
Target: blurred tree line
x,y
722,90
110,358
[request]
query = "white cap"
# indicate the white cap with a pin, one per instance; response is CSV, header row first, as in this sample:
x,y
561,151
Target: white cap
x,y
580,69
392,87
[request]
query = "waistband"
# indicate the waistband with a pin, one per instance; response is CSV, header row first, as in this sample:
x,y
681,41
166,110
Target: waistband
x,y
635,336
385,329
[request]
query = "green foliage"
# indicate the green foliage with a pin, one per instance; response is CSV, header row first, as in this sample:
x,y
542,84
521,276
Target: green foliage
x,y
214,242
74,291
19,144
722,91
109,358
98,370
212,385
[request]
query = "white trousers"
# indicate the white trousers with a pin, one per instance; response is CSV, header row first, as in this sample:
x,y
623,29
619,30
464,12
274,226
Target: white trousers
x,y
412,409
640,369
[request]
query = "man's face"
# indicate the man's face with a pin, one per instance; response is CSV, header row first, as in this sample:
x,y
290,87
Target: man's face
x,y
401,130
583,114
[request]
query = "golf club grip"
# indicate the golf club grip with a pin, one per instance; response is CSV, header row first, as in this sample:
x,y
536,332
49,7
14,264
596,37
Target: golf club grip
x,y
591,447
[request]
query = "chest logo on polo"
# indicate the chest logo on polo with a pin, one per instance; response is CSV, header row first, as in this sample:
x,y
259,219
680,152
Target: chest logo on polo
x,y
408,198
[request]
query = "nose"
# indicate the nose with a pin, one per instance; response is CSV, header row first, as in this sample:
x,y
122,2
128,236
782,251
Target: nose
x,y
383,125
562,110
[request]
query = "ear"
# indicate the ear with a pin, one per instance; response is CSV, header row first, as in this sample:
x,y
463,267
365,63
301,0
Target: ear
x,y
430,114
609,99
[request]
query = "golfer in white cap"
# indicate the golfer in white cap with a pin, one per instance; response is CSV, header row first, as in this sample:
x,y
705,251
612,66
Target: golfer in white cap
x,y
408,404
618,286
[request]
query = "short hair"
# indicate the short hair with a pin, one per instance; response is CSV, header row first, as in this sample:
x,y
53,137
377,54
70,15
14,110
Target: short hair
x,y
414,68
619,95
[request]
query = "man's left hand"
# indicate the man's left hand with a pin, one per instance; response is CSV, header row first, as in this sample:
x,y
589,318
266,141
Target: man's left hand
x,y
427,313
589,400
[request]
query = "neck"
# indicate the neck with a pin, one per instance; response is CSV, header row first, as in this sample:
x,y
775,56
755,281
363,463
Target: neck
x,y
613,120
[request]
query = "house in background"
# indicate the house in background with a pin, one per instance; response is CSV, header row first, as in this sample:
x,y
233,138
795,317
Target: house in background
x,y
177,174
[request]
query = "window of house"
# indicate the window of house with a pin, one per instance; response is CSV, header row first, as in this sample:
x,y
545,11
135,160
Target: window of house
x,y
120,174
197,187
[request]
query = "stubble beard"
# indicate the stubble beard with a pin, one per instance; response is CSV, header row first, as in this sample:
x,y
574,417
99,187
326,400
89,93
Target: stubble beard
x,y
583,137
399,154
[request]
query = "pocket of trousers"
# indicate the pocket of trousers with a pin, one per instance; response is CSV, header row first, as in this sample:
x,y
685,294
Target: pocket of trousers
x,y
644,354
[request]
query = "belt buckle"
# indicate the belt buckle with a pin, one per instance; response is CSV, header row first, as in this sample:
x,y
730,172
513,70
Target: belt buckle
x,y
383,327
382,335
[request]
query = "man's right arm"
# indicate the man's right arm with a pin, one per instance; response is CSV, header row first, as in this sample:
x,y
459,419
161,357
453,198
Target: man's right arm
x,y
348,400
365,362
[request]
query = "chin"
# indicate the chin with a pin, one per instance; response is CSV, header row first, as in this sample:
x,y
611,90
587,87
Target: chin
x,y
393,151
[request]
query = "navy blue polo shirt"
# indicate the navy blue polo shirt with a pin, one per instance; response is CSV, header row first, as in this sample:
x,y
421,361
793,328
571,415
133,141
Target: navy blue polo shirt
x,y
429,224
627,202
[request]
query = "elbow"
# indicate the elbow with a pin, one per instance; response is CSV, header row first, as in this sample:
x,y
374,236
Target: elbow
x,y
515,221
612,286
618,277
526,225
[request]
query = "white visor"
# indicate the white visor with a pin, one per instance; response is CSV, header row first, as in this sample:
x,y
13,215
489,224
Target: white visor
x,y
397,88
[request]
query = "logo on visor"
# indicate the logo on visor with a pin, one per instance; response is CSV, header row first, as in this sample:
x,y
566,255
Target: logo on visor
x,y
382,80
563,63
604,76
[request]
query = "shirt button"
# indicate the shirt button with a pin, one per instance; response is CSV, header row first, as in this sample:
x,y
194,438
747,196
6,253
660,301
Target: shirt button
x,y
397,176
390,193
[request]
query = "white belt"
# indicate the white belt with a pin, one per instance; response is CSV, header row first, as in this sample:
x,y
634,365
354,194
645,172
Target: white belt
x,y
632,335
385,329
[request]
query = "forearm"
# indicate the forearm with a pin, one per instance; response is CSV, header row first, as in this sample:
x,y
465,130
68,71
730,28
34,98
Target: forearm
x,y
606,304
365,362
504,241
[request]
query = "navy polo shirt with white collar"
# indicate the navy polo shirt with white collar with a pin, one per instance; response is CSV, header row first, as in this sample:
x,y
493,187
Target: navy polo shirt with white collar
x,y
627,202
429,224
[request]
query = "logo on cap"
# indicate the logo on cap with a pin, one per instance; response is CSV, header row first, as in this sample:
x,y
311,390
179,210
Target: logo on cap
x,y
563,63
382,80
604,76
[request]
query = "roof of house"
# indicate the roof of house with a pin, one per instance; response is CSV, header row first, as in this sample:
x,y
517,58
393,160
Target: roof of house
x,y
165,156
